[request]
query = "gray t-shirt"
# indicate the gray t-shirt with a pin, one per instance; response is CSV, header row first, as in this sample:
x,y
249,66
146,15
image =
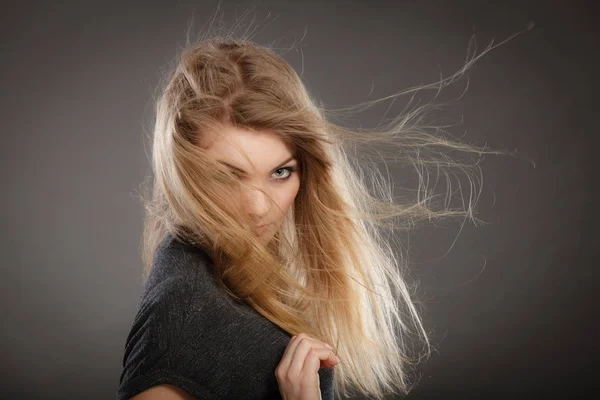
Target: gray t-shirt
x,y
189,333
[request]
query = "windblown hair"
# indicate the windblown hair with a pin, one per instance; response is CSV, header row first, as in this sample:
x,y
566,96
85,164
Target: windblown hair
x,y
329,271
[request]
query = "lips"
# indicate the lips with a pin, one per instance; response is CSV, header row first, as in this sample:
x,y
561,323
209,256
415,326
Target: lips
x,y
261,228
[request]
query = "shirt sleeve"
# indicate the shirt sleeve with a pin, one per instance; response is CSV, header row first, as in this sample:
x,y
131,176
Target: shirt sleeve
x,y
155,351
188,333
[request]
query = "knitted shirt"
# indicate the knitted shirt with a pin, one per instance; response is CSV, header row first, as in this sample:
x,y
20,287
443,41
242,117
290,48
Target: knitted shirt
x,y
189,333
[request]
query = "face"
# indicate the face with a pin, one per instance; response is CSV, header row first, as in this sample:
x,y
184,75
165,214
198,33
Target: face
x,y
265,163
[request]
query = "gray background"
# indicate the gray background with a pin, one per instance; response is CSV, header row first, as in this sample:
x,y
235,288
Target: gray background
x,y
512,305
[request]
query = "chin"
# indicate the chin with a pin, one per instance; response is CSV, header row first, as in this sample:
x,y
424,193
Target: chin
x,y
265,237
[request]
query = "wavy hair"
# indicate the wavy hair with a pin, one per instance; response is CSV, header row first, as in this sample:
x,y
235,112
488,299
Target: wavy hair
x,y
331,270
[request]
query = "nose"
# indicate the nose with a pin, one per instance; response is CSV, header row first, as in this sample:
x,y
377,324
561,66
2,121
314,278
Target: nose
x,y
259,203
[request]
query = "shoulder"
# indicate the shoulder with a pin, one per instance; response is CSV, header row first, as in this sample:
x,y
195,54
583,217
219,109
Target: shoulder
x,y
179,293
172,325
180,279
189,333
176,260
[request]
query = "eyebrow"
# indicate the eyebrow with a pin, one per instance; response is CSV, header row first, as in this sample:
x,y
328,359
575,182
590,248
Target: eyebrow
x,y
238,169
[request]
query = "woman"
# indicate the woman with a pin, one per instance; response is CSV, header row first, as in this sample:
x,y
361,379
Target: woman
x,y
265,248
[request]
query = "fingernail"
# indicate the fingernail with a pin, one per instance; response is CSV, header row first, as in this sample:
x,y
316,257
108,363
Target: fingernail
x,y
337,359
328,346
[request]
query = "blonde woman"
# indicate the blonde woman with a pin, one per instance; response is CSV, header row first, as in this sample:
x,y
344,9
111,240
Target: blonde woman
x,y
268,271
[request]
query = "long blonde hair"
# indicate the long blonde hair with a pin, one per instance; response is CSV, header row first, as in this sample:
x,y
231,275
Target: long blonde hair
x,y
331,270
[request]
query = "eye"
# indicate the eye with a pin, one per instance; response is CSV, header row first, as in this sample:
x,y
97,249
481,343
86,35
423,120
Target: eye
x,y
282,174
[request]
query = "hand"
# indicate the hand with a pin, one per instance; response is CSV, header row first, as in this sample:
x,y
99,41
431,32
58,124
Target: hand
x,y
298,371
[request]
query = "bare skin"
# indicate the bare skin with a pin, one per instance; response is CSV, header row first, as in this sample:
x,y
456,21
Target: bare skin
x,y
268,164
163,392
297,372
265,162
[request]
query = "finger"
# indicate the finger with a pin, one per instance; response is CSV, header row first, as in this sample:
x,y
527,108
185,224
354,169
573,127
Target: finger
x,y
286,359
314,359
303,346
301,339
309,375
289,354
331,361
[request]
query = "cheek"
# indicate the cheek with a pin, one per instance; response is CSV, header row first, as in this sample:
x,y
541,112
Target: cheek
x,y
286,196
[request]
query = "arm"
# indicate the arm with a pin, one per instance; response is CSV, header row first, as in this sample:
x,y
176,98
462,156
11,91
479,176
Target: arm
x,y
163,392
159,362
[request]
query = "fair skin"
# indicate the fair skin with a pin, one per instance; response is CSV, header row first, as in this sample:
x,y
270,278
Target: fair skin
x,y
267,164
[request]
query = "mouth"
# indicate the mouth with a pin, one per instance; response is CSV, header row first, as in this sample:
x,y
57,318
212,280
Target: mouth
x,y
261,228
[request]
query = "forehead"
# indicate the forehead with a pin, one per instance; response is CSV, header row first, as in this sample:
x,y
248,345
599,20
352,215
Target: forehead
x,y
247,149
